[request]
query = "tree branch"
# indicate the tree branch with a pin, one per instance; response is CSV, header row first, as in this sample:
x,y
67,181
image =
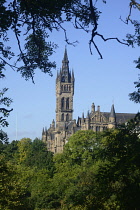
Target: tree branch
x,y
5,110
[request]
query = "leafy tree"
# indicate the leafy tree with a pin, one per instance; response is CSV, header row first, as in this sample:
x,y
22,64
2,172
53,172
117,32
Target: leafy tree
x,y
73,166
34,168
119,172
39,18
13,192
4,111
134,39
10,150
98,170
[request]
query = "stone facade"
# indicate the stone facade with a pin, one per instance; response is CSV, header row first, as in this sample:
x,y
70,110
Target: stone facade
x,y
57,135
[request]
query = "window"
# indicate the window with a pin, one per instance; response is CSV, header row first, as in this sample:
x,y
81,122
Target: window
x,y
63,79
67,103
62,103
67,117
97,128
62,117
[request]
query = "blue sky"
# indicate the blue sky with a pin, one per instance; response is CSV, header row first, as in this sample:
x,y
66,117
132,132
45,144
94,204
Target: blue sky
x,y
103,82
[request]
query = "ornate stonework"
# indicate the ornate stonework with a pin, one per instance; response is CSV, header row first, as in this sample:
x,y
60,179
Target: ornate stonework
x,y
57,135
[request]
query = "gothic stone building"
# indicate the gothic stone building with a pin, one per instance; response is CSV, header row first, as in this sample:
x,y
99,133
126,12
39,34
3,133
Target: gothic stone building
x,y
57,135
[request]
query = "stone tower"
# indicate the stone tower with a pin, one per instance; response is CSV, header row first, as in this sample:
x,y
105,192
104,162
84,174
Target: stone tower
x,y
57,135
64,94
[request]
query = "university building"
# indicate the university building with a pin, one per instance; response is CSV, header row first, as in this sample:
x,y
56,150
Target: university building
x,y
57,135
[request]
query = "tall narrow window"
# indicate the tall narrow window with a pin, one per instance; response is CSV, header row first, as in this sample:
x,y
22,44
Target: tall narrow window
x,y
62,117
97,128
62,103
67,117
67,103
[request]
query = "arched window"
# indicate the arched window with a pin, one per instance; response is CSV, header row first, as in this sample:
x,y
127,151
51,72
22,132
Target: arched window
x,y
97,128
63,79
67,117
62,117
67,103
62,103
62,87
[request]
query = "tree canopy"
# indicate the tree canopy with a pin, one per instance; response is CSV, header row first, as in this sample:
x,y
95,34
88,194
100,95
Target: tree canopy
x,y
39,18
95,171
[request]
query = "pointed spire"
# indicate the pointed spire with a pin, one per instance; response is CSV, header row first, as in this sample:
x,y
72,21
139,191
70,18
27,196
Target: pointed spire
x,y
65,74
46,131
72,75
112,116
65,59
57,76
112,113
88,115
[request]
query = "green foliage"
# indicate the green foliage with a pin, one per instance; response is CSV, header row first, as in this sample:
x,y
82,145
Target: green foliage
x,y
4,102
99,171
95,171
38,19
135,40
3,137
13,192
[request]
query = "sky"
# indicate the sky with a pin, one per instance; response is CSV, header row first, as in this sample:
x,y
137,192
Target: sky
x,y
104,82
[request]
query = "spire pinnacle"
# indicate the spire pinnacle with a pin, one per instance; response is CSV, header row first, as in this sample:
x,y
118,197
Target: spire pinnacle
x,y
112,113
66,77
88,115
112,116
65,59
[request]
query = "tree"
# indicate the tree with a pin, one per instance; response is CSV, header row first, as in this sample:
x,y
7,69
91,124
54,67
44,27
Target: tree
x,y
39,18
99,170
135,40
13,192
74,167
4,111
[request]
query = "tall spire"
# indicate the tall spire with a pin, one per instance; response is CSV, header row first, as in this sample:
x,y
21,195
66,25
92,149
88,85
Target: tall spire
x,y
65,59
65,74
65,62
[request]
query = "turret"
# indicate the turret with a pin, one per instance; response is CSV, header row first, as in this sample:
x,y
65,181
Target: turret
x,y
112,118
88,121
83,122
98,108
83,118
93,108
44,135
53,124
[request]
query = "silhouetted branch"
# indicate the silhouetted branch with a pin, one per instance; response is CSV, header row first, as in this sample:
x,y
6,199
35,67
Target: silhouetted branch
x,y
5,110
